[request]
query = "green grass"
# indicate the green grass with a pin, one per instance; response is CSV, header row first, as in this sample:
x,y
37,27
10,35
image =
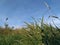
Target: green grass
x,y
32,34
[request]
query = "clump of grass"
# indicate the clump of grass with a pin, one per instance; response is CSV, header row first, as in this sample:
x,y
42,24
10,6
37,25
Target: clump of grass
x,y
33,34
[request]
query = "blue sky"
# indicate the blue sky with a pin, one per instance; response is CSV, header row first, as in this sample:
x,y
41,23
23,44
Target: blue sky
x,y
19,11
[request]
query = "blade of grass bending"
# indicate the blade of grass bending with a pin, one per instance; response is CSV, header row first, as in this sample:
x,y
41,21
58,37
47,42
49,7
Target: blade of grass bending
x,y
55,17
56,26
46,4
42,22
36,23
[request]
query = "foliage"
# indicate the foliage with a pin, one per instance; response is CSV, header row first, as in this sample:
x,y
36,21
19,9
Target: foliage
x,y
33,34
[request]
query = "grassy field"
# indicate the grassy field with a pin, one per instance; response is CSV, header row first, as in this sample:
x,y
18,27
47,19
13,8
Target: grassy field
x,y
32,34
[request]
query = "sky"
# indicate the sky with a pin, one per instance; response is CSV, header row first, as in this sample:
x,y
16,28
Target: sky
x,y
20,11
